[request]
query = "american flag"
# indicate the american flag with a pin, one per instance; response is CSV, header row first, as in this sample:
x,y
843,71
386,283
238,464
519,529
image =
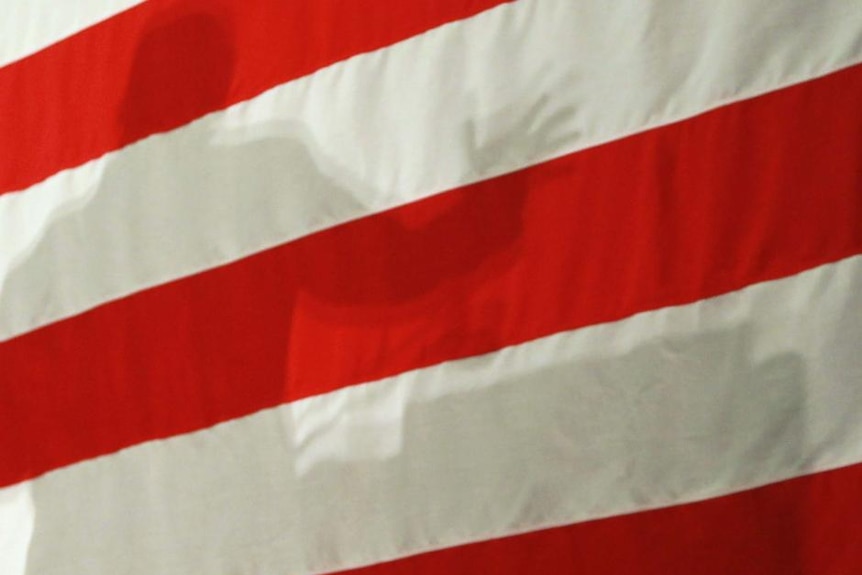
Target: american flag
x,y
430,286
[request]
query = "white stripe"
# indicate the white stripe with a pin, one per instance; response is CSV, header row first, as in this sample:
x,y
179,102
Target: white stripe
x,y
17,516
27,26
660,409
519,84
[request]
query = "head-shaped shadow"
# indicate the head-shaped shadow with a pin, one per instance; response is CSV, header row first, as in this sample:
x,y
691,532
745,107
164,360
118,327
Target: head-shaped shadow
x,y
182,69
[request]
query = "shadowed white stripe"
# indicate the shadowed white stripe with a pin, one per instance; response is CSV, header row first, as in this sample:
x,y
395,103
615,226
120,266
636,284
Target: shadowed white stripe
x,y
662,408
519,84
27,26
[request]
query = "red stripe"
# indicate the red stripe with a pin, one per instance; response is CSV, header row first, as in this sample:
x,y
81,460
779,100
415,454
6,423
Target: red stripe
x,y
807,526
164,63
759,190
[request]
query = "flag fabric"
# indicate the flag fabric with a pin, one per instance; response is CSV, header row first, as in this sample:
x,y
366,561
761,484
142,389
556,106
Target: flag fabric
x,y
459,286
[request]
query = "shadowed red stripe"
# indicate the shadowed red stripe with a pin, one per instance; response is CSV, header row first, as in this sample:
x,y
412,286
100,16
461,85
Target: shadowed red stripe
x,y
806,526
165,63
755,191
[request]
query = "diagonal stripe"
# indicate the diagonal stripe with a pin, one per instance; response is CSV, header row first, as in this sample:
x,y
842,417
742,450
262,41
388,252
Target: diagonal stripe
x,y
172,61
667,407
28,26
464,102
809,525
666,217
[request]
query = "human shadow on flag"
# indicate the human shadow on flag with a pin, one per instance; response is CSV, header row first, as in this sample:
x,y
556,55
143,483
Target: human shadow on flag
x,y
440,450
232,184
